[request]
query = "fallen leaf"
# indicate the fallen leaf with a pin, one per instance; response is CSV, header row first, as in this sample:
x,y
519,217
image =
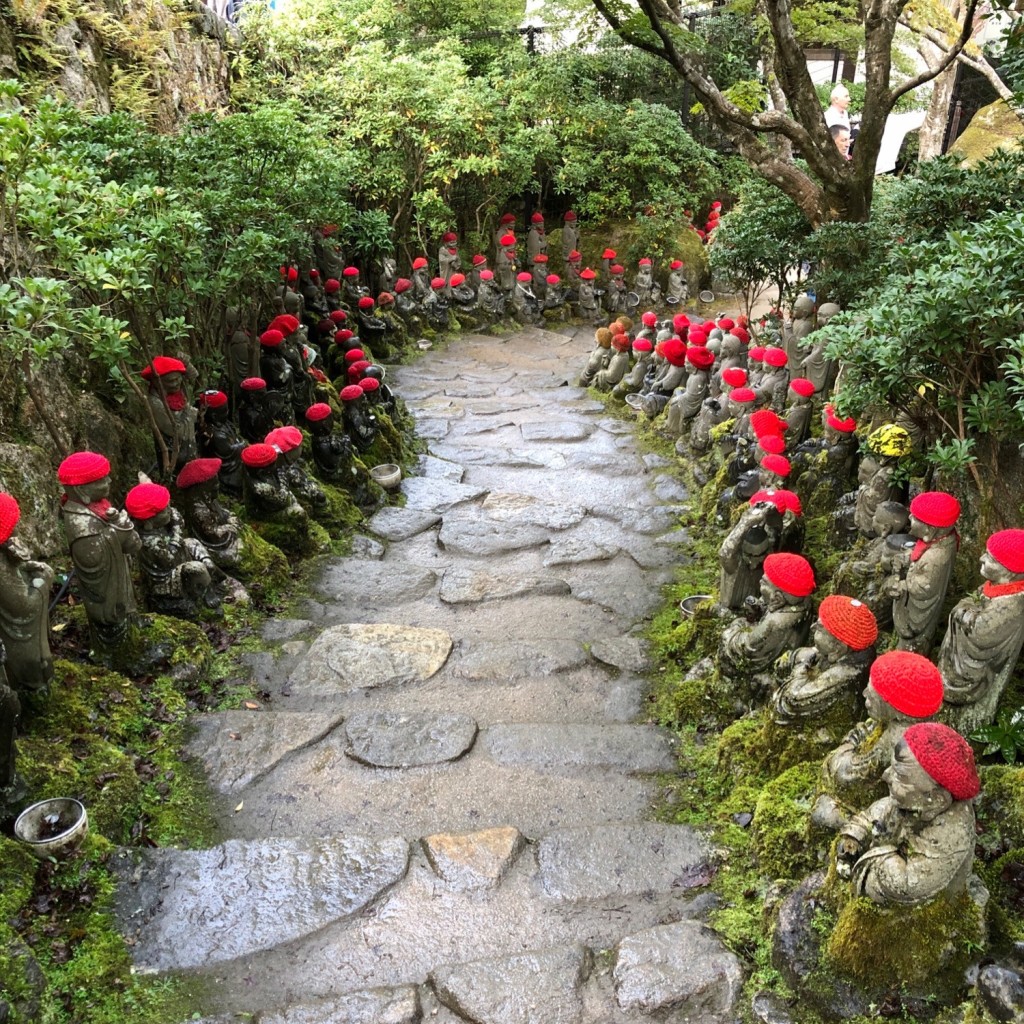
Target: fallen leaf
x,y
58,626
251,705
234,735
241,804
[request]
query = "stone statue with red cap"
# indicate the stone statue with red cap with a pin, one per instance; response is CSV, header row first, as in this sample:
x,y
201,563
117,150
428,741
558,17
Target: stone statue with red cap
x,y
984,637
505,264
536,239
570,234
24,608
206,519
170,408
800,324
288,441
101,538
643,283
333,454
783,621
686,401
918,842
828,676
618,364
448,261
267,496
219,439
588,304
633,381
178,573
903,688
678,291
918,591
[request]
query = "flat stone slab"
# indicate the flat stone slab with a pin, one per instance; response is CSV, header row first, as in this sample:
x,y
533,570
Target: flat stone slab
x,y
476,535
509,507
539,987
361,656
682,967
437,495
573,550
433,467
395,739
368,548
611,426
517,659
621,860
354,581
201,907
464,586
626,653
238,747
432,429
630,748
394,523
668,488
469,390
502,406
473,428
437,407
548,430
284,629
478,860
399,1005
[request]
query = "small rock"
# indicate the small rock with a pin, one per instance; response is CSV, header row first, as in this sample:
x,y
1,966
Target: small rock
x,y
667,488
682,967
768,1008
1001,992
463,586
392,739
475,861
439,469
367,548
284,629
743,819
295,648
652,461
626,653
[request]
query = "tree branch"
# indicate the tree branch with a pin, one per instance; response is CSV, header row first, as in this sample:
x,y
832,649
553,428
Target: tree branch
x,y
951,55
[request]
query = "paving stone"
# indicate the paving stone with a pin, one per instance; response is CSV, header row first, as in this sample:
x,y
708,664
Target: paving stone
x,y
502,406
464,586
368,548
431,466
474,428
284,629
626,653
478,860
681,967
652,461
352,581
548,430
237,747
237,898
517,659
395,739
668,488
395,523
437,407
575,550
510,507
430,494
359,656
539,987
619,427
372,1006
499,374
631,748
632,600
625,701
432,429
477,535
469,391
621,860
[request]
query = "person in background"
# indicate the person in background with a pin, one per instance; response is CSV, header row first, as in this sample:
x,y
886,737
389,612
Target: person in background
x,y
841,137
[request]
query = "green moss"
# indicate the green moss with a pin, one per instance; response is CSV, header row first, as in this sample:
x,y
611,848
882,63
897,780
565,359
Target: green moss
x,y
780,826
388,445
912,945
263,568
299,537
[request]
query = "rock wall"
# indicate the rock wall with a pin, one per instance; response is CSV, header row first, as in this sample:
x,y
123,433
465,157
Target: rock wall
x,y
161,60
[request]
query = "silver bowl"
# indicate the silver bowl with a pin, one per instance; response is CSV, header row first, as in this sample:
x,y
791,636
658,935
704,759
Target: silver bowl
x,y
388,475
688,605
53,828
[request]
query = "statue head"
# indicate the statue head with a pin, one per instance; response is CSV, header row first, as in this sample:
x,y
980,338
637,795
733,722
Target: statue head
x,y
292,303
149,505
933,514
902,686
214,405
890,517
199,477
85,477
844,625
741,401
320,418
826,311
803,307
788,580
1003,560
932,765
288,442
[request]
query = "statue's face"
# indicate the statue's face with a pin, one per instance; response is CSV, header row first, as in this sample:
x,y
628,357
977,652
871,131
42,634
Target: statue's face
x,y
828,646
992,571
172,382
95,491
868,468
876,707
922,531
161,520
910,786
773,598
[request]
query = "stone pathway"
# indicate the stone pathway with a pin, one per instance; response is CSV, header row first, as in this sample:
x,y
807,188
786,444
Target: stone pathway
x,y
444,815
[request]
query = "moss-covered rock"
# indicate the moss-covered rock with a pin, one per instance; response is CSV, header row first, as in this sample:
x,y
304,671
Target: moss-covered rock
x,y
780,827
297,536
263,567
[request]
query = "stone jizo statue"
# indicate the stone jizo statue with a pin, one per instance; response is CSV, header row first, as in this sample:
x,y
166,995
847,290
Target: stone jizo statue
x,y
918,597
12,789
101,539
536,239
643,350
255,414
741,558
174,416
984,637
886,446
266,493
918,842
570,235
598,359
24,608
288,441
206,519
219,439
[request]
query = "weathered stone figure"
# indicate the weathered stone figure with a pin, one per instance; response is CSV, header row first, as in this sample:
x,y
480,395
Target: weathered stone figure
x,y
536,239
266,494
24,613
219,439
633,381
799,411
255,415
288,441
918,842
206,518
101,538
983,640
802,325
570,235
12,790
886,446
741,558
176,417
677,290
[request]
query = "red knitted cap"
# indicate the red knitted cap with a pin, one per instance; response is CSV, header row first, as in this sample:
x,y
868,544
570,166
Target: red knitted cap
x,y
342,336
783,500
479,260
790,573
198,471
617,269
285,323
258,456
369,384
457,279
679,321
850,621
775,356
792,500
777,464
1007,548
285,439
507,240
213,399
608,254
642,345
674,351
726,323
314,274
569,215
740,332
507,218
537,218
575,256
419,263
734,376
331,285
649,319
437,283
769,496
675,265
271,339
540,258
756,353
353,355
701,358
645,262
946,756
350,272
162,365
83,468
449,236
802,386
486,275
350,392
742,395
317,412
253,384
846,426
144,501
366,302
524,277
338,316
766,421
908,681
935,508
771,444
293,274
553,279
587,274
10,513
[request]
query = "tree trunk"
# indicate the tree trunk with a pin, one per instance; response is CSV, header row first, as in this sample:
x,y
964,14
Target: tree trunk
x,y
933,131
